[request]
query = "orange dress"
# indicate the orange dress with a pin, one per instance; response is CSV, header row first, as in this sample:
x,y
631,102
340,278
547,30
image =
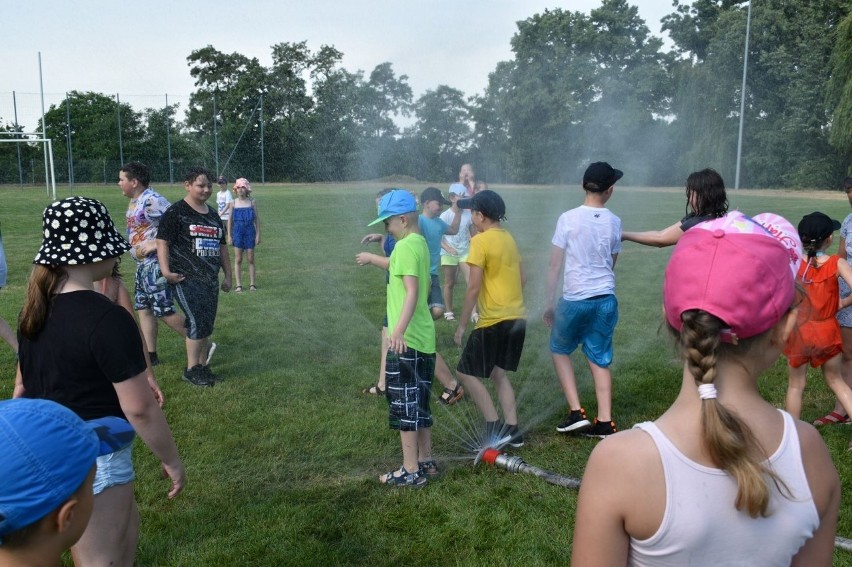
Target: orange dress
x,y
816,338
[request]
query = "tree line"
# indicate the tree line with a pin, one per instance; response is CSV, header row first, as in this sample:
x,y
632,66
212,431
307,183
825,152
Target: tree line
x,y
578,88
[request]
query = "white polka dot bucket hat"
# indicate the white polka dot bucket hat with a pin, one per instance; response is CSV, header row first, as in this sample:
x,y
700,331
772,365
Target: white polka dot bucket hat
x,y
78,230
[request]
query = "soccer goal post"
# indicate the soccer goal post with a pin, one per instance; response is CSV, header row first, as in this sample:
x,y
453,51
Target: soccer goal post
x,y
50,175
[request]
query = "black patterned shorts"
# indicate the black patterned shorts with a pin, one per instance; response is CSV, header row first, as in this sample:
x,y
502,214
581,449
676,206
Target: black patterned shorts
x,y
408,381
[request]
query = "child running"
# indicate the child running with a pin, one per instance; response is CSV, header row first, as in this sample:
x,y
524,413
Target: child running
x,y
585,247
411,338
722,477
816,338
244,231
496,288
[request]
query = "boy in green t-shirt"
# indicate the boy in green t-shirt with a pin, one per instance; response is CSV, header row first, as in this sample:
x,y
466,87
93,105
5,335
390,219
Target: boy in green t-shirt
x,y
410,363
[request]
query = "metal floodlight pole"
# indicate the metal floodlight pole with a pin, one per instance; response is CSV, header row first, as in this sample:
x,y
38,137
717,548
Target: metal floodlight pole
x,y
120,142
52,171
17,127
262,158
742,99
215,135
169,140
68,141
44,128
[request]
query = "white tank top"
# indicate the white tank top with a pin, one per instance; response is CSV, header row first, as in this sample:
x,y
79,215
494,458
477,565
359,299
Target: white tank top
x,y
701,526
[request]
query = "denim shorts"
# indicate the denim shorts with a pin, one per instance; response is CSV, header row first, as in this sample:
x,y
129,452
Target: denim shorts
x,y
152,291
114,469
436,296
590,322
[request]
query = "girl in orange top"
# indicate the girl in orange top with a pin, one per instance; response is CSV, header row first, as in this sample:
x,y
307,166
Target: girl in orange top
x,y
816,338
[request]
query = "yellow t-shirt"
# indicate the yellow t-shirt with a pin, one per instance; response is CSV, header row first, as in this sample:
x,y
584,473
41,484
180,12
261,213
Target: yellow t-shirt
x,y
501,296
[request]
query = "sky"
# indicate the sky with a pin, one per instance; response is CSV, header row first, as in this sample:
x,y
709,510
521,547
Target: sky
x,y
139,50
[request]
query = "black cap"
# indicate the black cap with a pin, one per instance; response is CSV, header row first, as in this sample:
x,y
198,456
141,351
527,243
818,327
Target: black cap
x,y
433,194
817,227
600,176
486,202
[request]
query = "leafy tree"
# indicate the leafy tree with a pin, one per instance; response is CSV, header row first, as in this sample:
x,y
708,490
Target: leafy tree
x,y
839,93
443,130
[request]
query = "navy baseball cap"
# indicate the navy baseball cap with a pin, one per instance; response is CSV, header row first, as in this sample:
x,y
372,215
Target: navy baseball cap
x,y
601,174
486,202
46,452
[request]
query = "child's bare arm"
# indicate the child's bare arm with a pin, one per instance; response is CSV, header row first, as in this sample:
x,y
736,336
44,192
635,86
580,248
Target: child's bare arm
x,y
163,259
557,258
454,226
845,272
366,258
396,338
474,283
256,223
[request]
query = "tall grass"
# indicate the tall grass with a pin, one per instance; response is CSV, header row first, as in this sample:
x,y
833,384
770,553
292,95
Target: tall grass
x,y
283,455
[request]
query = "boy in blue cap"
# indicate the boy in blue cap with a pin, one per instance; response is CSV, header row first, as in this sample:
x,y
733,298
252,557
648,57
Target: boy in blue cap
x,y
410,363
47,469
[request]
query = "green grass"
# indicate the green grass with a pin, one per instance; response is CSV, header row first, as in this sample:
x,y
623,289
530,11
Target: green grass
x,y
282,456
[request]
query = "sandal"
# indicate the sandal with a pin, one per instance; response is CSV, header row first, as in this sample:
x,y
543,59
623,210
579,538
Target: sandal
x,y
451,396
238,289
373,390
404,479
252,287
428,468
832,418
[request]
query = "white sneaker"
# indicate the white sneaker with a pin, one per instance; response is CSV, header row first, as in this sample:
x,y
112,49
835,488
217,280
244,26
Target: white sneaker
x,y
210,350
474,318
449,316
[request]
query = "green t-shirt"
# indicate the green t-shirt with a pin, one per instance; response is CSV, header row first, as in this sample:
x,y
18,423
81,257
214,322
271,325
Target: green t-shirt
x,y
410,257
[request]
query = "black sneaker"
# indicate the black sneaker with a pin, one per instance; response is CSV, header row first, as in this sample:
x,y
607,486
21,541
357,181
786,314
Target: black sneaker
x,y
601,429
197,376
575,421
517,438
208,374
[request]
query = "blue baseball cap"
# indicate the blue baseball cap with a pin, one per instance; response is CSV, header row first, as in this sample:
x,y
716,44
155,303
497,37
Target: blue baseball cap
x,y
46,451
397,202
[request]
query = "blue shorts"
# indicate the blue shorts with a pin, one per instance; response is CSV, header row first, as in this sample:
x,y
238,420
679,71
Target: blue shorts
x,y
408,382
590,322
436,296
114,469
199,302
152,291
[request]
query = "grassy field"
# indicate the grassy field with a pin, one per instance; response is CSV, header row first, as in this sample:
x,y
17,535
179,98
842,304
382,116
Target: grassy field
x,y
282,456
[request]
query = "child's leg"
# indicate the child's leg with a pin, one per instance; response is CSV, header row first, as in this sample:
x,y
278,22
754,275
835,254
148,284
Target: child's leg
x,y
238,264
603,391
176,322
449,283
565,371
481,396
443,373
845,364
424,445
506,395
196,352
383,364
410,448
795,389
833,377
250,254
112,533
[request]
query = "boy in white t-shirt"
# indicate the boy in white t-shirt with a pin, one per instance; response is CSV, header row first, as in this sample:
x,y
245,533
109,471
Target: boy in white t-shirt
x,y
224,202
454,248
586,244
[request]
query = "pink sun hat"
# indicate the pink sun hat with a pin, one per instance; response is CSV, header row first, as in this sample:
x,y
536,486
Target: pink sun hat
x,y
740,269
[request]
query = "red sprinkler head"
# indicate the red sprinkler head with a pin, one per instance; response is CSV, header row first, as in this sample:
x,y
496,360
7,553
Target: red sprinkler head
x,y
490,455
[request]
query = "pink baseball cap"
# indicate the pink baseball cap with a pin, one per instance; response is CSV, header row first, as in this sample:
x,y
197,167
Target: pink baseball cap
x,y
738,268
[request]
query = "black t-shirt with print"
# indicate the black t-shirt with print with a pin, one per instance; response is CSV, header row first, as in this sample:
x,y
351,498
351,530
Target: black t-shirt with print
x,y
195,240
87,343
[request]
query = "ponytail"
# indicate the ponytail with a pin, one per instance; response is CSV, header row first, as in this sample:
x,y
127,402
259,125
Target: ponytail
x,y
730,443
42,286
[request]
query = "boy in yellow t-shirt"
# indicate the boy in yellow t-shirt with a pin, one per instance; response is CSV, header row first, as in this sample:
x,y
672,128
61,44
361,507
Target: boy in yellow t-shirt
x,y
496,289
